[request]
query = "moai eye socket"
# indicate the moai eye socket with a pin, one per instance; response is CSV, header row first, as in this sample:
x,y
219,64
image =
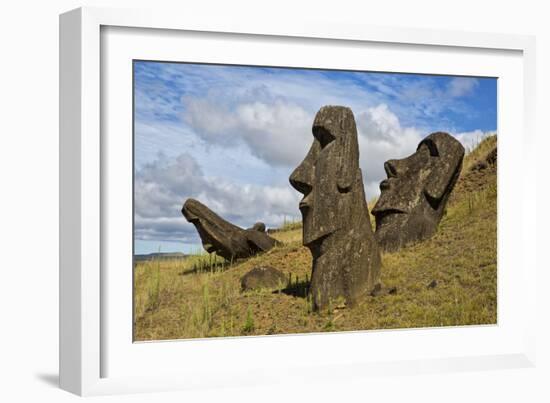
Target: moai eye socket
x,y
323,136
431,146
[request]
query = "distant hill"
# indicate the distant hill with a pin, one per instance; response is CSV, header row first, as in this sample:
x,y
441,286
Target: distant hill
x,y
161,256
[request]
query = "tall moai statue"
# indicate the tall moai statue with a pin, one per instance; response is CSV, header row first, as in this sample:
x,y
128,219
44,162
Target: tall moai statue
x,y
413,197
336,225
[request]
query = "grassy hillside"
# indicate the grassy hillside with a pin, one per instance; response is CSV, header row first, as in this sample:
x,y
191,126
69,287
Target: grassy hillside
x,y
448,280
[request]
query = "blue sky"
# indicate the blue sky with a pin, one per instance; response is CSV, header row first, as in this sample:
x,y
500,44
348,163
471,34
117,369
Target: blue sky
x,y
230,136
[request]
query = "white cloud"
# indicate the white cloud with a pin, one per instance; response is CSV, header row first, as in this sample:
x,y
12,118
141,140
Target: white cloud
x,y
472,138
280,133
276,132
461,86
162,186
381,137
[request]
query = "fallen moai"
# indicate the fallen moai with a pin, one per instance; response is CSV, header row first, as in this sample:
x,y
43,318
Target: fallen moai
x,y
220,236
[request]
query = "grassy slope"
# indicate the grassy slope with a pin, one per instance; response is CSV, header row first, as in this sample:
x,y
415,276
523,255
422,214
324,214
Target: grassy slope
x,y
199,297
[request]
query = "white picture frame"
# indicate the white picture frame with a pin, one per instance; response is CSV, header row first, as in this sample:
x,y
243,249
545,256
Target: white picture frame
x,y
86,345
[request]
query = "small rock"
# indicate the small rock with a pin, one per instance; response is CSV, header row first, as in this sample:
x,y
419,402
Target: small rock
x,y
377,290
259,226
340,306
479,166
433,284
491,157
263,277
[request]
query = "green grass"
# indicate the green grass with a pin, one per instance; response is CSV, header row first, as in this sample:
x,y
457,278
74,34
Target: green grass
x,y
249,321
200,296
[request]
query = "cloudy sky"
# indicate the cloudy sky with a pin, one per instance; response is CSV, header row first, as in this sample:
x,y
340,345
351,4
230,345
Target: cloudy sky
x,y
230,136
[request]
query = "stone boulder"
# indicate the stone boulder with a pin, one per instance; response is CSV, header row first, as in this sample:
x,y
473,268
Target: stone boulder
x,y
263,277
490,159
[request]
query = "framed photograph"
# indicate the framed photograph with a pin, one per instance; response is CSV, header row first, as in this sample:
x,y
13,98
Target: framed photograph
x,y
244,202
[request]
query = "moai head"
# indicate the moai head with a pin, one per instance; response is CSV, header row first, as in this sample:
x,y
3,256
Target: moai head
x,y
327,173
215,232
414,195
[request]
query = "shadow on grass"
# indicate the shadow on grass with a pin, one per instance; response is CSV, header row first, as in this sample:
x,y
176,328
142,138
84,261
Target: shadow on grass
x,y
297,289
198,269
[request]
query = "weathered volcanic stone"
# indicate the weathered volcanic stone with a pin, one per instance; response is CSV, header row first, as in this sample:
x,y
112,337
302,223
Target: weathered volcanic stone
x,y
266,277
491,156
414,195
336,225
490,159
259,226
222,237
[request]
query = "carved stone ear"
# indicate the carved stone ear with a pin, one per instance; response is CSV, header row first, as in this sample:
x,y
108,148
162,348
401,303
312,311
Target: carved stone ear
x,y
348,153
449,153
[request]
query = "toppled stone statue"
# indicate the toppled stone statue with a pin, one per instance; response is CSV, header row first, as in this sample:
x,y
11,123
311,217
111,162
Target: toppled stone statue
x,y
263,277
220,236
414,195
336,225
